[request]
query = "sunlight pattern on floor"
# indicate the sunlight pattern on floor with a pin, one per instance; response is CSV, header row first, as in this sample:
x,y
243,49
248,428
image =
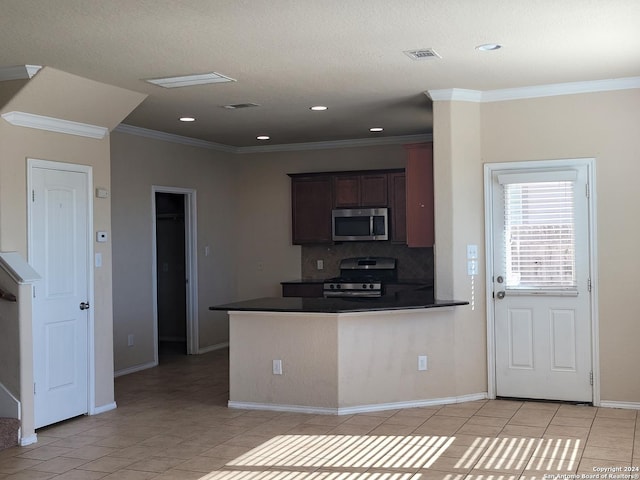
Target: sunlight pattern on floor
x,y
351,457
351,451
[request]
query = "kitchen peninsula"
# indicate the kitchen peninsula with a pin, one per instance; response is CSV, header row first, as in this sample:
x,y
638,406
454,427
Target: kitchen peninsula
x,y
342,355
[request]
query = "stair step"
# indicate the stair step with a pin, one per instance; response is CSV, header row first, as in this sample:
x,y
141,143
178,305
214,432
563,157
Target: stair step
x,y
9,432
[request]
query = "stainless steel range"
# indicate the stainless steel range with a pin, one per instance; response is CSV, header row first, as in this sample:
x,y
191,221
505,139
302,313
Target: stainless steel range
x,y
361,277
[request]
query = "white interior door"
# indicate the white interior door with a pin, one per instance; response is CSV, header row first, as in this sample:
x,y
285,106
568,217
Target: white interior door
x,y
60,251
541,284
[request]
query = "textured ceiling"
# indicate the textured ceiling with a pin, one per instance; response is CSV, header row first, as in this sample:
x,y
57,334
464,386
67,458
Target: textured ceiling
x,y
287,55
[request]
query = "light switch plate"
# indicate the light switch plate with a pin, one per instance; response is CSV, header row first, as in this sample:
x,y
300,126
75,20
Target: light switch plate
x,y
277,367
102,193
422,362
472,267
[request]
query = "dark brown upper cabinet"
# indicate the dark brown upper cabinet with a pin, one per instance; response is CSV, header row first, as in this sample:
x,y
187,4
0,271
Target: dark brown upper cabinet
x,y
420,202
311,203
354,190
407,193
398,207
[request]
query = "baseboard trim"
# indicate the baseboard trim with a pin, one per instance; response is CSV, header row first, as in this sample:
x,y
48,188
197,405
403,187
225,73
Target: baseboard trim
x,y
135,368
29,440
103,408
413,404
272,407
612,404
378,407
212,348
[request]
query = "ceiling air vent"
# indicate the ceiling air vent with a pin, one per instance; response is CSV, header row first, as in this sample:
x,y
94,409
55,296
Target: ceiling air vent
x,y
190,80
236,106
421,54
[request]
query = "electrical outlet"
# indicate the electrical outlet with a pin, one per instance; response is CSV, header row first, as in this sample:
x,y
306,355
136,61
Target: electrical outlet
x,y
320,264
472,252
277,367
422,362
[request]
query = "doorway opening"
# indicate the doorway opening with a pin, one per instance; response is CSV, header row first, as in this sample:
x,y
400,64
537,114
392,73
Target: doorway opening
x,y
174,275
542,321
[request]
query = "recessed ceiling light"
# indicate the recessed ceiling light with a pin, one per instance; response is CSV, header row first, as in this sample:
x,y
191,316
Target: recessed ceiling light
x,y
376,129
489,47
318,108
263,137
187,119
189,80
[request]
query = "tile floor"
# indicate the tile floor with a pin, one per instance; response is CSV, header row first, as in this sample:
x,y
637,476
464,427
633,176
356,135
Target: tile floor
x,y
172,423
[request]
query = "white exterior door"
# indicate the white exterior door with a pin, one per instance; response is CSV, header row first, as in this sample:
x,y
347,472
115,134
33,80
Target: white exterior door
x,y
541,283
59,250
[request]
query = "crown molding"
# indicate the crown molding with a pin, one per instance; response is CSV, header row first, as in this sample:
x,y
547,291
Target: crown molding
x,y
18,72
170,137
51,124
455,94
356,142
538,91
287,147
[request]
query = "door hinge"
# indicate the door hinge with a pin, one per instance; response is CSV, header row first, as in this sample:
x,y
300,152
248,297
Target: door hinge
x,y
33,195
34,292
34,388
586,190
589,284
591,377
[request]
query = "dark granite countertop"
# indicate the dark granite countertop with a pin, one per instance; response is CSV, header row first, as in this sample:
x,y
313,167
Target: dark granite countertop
x,y
411,299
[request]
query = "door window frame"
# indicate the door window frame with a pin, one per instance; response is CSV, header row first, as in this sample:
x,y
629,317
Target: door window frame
x,y
524,167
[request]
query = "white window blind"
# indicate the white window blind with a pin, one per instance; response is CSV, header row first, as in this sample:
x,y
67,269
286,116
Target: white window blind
x,y
539,235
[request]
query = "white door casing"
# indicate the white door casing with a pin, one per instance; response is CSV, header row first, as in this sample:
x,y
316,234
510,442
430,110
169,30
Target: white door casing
x,y
60,250
542,340
191,266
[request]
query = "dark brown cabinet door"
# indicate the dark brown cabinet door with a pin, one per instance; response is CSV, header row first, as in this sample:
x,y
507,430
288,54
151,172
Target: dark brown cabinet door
x,y
307,290
360,190
420,203
346,191
398,207
373,190
311,209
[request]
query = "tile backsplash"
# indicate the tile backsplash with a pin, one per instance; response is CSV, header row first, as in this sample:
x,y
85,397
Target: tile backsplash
x,y
413,263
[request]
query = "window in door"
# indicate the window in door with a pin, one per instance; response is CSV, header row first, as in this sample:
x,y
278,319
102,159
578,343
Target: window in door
x,y
539,235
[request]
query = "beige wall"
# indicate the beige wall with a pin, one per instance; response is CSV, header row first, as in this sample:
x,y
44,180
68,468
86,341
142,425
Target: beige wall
x,y
266,255
345,361
60,95
459,222
599,125
244,216
466,135
308,348
138,164
604,126
18,144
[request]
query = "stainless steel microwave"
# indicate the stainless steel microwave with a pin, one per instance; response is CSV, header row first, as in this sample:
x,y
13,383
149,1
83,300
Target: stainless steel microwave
x,y
360,224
